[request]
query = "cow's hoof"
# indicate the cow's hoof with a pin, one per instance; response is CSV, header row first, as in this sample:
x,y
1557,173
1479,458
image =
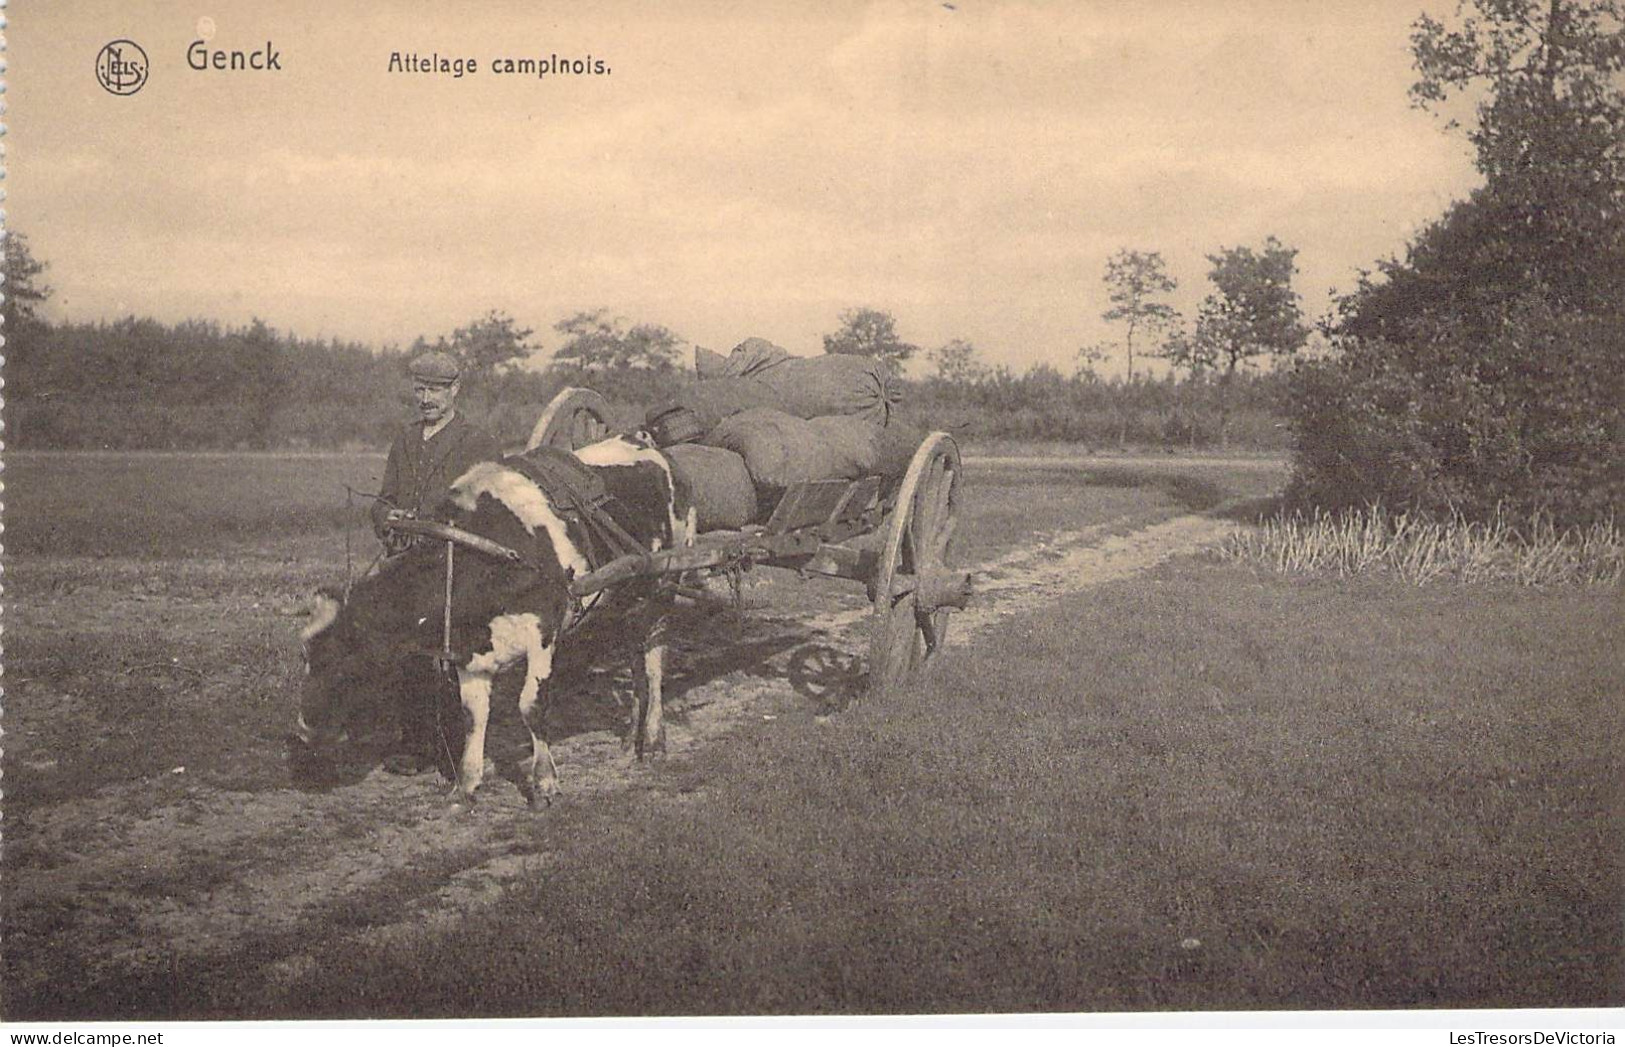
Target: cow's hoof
x,y
539,793
461,799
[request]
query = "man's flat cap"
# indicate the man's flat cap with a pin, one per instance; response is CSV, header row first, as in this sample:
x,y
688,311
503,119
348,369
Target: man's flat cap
x,y
434,367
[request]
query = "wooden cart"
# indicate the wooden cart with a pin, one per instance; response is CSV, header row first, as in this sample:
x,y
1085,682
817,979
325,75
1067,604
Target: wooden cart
x,y
896,538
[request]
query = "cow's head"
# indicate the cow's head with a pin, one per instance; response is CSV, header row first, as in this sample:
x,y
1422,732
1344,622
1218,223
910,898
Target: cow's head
x,y
355,649
331,651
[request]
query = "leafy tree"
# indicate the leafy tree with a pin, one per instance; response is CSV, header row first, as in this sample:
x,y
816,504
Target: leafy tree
x,y
1253,312
1484,371
596,341
1089,357
958,363
869,332
1549,139
1185,354
21,288
1133,280
1546,72
492,342
20,325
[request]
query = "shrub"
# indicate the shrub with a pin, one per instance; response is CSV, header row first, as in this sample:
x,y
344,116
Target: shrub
x,y
1530,421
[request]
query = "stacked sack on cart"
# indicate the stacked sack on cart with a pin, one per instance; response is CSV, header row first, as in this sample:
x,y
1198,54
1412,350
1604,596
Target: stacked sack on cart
x,y
760,420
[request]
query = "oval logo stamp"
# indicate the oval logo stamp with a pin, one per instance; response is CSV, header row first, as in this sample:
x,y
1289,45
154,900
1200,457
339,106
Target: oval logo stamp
x,y
121,67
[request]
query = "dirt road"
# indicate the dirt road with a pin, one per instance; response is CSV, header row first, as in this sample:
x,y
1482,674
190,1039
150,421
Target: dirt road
x,y
136,883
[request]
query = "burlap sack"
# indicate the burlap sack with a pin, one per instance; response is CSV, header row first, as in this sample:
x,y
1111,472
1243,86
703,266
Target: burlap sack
x,y
753,356
818,386
708,365
718,398
894,449
747,358
724,496
810,386
850,446
780,449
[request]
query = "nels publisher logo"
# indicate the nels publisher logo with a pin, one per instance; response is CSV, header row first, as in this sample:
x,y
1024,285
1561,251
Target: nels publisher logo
x,y
121,67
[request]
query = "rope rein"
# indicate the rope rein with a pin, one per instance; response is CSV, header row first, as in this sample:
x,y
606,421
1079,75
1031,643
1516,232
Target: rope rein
x,y
349,526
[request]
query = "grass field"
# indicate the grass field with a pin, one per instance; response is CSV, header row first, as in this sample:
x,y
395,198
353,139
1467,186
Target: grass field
x,y
1204,787
175,506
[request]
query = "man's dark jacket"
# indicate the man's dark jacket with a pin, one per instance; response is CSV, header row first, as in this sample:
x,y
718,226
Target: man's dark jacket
x,y
419,471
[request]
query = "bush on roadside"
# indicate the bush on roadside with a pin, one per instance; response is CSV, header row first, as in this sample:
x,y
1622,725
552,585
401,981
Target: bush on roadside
x,y
1529,421
1484,373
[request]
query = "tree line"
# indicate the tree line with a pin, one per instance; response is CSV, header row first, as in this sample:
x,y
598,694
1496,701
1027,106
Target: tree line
x,y
138,383
141,384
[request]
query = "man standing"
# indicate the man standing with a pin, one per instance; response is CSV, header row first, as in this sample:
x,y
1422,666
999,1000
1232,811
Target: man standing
x,y
425,458
432,451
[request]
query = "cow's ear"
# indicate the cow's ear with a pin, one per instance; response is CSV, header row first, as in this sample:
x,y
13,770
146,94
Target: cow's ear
x,y
324,610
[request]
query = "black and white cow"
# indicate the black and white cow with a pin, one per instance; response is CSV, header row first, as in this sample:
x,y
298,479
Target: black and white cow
x,y
502,612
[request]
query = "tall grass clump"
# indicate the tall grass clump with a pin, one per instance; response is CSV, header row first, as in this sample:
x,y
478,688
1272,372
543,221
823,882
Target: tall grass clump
x,y
1422,549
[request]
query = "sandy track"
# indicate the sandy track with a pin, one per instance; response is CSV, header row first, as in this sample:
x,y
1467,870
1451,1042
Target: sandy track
x,y
202,875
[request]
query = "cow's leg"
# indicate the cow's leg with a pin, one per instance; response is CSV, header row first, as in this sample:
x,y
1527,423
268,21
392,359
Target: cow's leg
x,y
648,718
475,688
540,780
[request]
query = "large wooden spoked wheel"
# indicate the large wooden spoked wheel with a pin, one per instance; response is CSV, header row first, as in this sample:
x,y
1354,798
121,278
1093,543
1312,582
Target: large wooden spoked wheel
x,y
574,419
915,588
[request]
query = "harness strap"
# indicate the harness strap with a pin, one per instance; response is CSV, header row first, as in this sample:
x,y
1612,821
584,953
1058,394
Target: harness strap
x,y
574,489
612,534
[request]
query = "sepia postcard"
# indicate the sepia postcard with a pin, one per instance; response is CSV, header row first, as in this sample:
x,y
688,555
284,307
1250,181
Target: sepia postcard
x,y
948,509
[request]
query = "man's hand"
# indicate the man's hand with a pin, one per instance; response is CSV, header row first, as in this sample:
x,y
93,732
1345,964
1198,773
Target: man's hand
x,y
397,542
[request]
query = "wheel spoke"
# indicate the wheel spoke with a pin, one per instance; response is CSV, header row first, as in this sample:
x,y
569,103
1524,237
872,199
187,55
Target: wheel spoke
x,y
938,520
940,542
928,503
893,643
932,630
908,558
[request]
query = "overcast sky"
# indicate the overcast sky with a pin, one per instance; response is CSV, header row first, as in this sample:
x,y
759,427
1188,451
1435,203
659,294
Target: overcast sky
x,y
743,169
